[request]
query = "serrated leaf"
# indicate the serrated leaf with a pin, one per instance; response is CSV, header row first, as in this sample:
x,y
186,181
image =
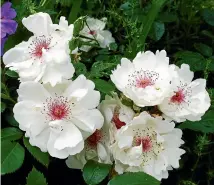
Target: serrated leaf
x,y
208,16
205,125
80,68
36,178
204,49
12,156
3,106
113,46
11,74
11,134
157,31
40,156
137,178
94,172
100,69
196,61
104,86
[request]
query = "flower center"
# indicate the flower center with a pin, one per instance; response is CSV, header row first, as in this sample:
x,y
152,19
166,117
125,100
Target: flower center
x,y
146,143
117,121
178,97
38,44
94,139
92,32
147,137
142,79
57,109
142,83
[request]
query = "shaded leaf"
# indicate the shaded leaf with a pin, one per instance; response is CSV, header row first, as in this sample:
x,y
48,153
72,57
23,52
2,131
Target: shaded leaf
x,y
205,125
157,31
11,74
12,156
208,16
137,178
11,120
204,49
100,69
40,156
11,134
196,61
94,172
3,106
36,178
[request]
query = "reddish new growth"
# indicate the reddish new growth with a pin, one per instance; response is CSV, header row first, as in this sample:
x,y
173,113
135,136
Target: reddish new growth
x,y
117,121
178,97
142,83
146,143
94,138
38,45
92,32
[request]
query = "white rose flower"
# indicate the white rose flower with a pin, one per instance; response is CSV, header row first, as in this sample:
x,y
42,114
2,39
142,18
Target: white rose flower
x,y
45,56
147,144
96,148
189,100
146,80
94,29
115,113
55,118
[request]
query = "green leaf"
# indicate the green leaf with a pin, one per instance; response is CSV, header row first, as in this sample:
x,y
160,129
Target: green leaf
x,y
100,69
137,178
94,172
113,46
40,156
208,34
3,106
3,87
36,178
104,86
205,125
157,31
80,68
11,74
73,44
78,25
196,61
11,120
12,156
11,134
211,93
204,49
76,7
208,16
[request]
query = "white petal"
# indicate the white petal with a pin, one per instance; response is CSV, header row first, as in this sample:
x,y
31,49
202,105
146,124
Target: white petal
x,y
125,142
32,91
89,120
29,117
42,19
15,55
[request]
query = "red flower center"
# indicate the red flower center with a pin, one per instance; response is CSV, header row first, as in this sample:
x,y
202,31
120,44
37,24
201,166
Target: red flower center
x,y
117,121
38,45
92,32
143,83
94,138
178,97
146,143
58,108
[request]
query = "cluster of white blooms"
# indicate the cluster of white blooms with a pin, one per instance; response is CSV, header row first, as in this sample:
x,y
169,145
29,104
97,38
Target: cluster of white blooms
x,y
65,118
